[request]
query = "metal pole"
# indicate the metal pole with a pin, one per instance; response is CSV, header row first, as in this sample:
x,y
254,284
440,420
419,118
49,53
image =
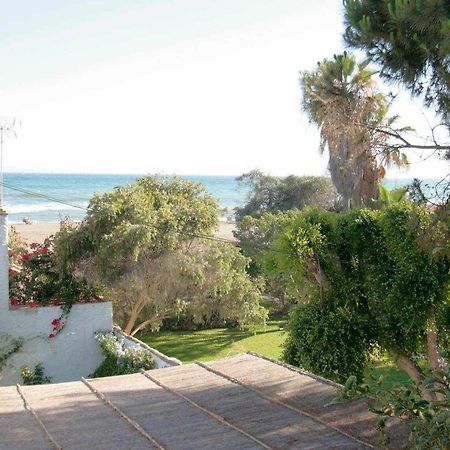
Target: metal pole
x,y
1,168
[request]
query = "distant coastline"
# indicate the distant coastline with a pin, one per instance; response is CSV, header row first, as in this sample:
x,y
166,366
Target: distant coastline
x,y
38,195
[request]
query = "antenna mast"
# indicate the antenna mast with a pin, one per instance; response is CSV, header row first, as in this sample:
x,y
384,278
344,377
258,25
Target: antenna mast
x,y
7,125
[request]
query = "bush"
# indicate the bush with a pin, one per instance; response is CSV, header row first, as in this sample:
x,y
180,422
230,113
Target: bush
x,y
272,194
256,237
120,359
370,278
331,342
428,422
36,376
35,278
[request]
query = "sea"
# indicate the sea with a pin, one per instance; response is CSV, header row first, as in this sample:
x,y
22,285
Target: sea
x,y
52,197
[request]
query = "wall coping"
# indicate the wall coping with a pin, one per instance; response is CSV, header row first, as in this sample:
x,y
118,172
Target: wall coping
x,y
168,359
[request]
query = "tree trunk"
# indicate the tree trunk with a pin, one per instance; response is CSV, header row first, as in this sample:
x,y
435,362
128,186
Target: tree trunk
x,y
321,280
432,341
414,372
145,323
135,311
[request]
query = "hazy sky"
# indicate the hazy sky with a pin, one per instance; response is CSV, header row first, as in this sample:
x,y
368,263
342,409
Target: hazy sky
x,y
167,86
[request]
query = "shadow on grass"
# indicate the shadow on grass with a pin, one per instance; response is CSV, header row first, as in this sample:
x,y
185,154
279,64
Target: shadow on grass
x,y
194,345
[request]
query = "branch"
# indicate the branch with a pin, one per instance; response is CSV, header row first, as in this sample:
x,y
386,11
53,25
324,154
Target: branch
x,y
407,144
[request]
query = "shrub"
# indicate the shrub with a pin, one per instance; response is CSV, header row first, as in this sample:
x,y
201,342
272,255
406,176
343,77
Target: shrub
x,y
36,376
371,278
330,341
428,422
35,279
272,194
120,359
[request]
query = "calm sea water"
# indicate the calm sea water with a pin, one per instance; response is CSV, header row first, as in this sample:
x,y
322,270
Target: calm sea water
x,y
77,189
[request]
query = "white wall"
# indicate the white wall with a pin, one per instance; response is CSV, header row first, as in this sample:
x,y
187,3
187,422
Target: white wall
x,y
161,360
72,353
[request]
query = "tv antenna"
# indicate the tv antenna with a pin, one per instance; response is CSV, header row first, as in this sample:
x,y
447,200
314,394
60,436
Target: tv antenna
x,y
7,130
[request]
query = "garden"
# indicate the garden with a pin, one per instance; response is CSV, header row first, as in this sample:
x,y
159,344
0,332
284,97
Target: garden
x,y
340,276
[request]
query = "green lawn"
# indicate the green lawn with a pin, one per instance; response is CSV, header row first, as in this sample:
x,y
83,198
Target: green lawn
x,y
383,366
206,345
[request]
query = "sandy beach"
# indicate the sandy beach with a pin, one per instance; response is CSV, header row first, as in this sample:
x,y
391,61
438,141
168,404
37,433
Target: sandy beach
x,y
37,232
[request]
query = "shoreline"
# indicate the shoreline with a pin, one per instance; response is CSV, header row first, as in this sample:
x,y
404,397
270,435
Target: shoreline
x,y
38,232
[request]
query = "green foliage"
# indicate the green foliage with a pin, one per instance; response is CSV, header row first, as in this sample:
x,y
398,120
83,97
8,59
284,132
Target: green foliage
x,y
429,422
36,376
153,214
8,347
410,42
144,245
35,279
273,194
370,273
391,197
204,283
256,237
120,359
333,342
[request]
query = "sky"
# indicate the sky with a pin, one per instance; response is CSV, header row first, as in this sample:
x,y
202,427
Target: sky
x,y
170,86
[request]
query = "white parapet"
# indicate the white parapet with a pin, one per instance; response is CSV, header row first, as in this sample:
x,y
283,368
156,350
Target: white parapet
x,y
161,360
73,353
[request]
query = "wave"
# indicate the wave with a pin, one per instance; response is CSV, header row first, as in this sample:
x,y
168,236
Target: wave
x,y
38,208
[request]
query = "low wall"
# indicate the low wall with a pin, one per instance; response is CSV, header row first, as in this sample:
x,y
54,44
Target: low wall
x,y
161,359
71,354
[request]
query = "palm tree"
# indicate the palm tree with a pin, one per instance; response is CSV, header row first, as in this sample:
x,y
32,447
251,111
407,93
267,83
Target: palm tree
x,y
341,98
392,197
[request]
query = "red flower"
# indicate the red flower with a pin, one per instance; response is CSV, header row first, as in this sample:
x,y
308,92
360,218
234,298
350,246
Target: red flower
x,y
26,257
15,301
32,304
51,336
34,245
13,271
56,322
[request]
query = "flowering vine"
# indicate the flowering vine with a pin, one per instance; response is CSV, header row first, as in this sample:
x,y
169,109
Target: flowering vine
x,y
35,280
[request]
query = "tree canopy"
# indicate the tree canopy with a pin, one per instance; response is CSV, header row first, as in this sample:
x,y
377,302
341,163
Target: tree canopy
x,y
409,40
372,279
272,194
147,246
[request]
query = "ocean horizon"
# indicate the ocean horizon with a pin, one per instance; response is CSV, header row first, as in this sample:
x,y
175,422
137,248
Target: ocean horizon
x,y
37,195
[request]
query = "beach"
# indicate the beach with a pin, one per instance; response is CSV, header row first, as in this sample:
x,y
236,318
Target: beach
x,y
37,232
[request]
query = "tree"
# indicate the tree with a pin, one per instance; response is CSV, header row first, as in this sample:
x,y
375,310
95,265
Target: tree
x,y
410,42
272,194
153,214
147,245
256,237
203,281
373,278
341,98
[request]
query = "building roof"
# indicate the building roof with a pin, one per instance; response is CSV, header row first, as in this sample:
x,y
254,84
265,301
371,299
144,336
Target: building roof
x,y
243,402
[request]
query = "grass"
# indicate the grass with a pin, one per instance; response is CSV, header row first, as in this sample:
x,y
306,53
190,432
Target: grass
x,y
383,366
207,345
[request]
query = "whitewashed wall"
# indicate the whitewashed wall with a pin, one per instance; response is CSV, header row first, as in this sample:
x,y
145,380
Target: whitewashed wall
x,y
72,353
161,360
